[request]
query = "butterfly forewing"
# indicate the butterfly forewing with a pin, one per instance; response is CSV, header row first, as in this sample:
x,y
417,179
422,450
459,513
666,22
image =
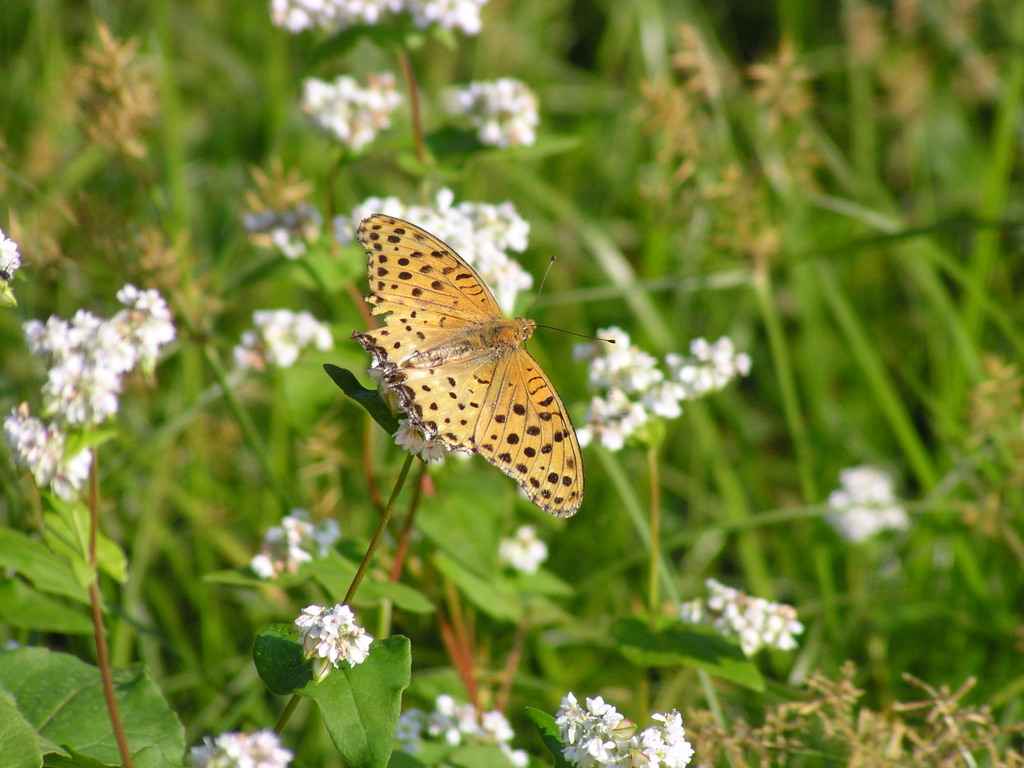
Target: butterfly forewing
x,y
410,268
457,366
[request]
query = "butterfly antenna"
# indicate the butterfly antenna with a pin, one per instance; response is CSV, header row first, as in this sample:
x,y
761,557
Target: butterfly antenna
x,y
551,327
573,333
541,286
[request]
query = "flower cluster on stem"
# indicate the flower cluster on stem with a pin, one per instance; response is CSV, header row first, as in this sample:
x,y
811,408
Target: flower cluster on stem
x,y
296,541
331,636
279,337
758,623
349,112
523,552
10,262
457,724
503,111
241,750
86,361
598,736
335,15
631,389
865,505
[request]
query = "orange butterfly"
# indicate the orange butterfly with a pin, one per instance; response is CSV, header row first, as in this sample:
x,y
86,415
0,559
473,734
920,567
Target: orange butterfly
x,y
458,368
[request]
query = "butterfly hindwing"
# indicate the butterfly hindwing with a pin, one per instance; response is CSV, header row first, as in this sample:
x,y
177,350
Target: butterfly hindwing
x,y
525,431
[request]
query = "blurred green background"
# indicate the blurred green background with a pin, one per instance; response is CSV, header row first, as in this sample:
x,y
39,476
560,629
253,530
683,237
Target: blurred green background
x,y
835,186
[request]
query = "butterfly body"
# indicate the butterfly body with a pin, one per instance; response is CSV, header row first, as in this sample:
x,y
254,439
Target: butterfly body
x,y
476,341
458,366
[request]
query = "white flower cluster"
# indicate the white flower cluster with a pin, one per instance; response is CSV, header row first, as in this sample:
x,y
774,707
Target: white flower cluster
x,y
503,111
278,338
289,231
413,440
600,737
457,724
631,387
482,234
523,551
241,750
335,15
296,541
39,447
331,636
352,114
865,504
86,360
10,261
758,623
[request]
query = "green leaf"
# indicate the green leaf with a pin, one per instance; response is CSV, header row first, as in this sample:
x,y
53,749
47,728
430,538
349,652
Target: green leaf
x,y
400,759
79,441
61,698
678,644
334,573
279,659
370,399
478,756
487,595
477,499
449,142
361,705
22,606
19,747
31,560
67,533
549,735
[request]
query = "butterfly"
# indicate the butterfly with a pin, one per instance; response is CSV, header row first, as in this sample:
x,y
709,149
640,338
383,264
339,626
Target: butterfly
x,y
457,366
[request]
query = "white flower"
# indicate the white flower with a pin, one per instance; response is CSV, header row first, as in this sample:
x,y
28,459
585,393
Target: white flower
x,y
710,367
330,636
632,387
146,324
331,15
865,505
758,623
296,541
448,14
612,419
482,234
335,15
241,750
88,357
10,261
664,745
289,231
503,111
413,440
600,737
457,724
352,114
524,551
279,338
39,448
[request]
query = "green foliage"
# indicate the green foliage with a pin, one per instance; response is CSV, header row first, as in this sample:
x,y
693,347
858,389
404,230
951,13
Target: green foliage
x,y
838,193
57,699
361,705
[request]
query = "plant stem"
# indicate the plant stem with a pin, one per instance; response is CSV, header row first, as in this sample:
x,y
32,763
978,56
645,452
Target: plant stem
x,y
653,585
99,631
414,106
382,526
